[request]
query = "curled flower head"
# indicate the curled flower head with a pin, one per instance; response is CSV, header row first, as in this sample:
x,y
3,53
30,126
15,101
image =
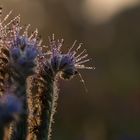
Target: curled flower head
x,y
23,54
67,64
67,67
23,49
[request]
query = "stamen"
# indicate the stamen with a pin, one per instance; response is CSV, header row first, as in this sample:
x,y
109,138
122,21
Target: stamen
x,y
26,30
62,40
40,42
79,46
7,16
34,34
84,67
83,82
17,17
84,61
82,57
49,38
80,53
73,54
53,37
73,45
60,43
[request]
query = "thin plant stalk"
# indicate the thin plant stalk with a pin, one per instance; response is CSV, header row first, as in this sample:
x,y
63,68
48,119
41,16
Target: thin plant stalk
x,y
43,94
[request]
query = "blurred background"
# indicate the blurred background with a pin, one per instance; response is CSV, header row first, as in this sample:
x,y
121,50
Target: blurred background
x,y
110,31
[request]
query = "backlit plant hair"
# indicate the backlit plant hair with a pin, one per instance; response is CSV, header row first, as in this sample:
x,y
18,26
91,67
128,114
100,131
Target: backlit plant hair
x,y
18,54
29,73
43,90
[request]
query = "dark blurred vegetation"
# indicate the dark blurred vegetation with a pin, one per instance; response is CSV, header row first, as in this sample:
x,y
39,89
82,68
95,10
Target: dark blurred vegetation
x,y
111,108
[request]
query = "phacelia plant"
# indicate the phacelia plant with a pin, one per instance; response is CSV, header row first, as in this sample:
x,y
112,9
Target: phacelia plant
x,y
29,76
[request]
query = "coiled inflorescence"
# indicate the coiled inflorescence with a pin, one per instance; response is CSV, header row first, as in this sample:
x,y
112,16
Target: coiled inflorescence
x,y
22,55
23,50
66,64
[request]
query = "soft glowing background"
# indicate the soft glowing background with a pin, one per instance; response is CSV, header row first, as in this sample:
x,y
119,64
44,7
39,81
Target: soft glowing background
x,y
110,30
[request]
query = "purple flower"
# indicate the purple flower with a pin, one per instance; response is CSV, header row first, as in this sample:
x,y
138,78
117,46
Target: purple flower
x,y
23,48
67,64
10,108
23,53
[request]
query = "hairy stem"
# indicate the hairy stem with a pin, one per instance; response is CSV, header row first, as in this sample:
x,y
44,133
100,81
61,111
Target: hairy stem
x,y
4,58
42,94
